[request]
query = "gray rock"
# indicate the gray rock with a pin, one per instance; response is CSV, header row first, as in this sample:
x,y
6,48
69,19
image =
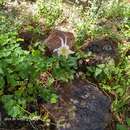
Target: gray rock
x,y
102,51
82,106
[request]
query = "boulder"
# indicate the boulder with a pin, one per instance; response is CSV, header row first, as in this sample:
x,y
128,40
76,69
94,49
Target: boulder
x,y
105,46
102,50
81,106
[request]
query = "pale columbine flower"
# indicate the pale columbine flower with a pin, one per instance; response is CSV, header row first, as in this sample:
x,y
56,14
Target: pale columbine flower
x,y
77,1
64,49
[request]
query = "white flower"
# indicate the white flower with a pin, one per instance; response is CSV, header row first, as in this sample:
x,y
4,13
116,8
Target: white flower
x,y
64,49
77,1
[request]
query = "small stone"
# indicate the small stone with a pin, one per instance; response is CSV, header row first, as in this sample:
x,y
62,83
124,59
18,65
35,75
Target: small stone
x,y
74,101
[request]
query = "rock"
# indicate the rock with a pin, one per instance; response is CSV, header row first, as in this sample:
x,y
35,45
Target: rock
x,y
102,50
53,42
81,106
105,46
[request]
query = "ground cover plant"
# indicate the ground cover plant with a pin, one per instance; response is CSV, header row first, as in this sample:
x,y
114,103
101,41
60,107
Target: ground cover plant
x,y
29,75
15,62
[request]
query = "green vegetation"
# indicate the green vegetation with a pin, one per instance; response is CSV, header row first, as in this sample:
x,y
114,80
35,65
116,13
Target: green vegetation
x,y
50,11
114,79
20,71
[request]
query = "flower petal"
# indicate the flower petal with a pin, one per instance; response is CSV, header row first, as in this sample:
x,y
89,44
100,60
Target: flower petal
x,y
55,50
71,52
62,41
65,41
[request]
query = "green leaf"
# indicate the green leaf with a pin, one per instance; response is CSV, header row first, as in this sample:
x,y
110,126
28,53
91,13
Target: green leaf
x,y
1,71
97,72
120,91
11,105
12,79
121,127
54,98
128,121
2,82
15,111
